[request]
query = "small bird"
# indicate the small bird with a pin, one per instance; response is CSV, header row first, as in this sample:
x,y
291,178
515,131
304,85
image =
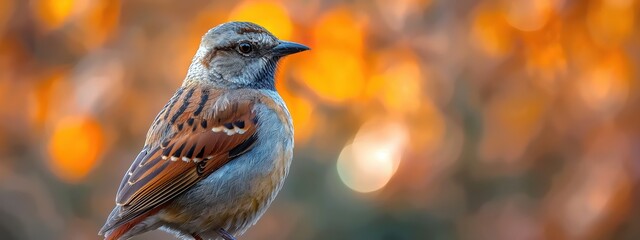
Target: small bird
x,y
218,152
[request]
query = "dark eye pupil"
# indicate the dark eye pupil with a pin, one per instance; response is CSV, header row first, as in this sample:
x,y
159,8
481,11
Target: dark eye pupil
x,y
244,47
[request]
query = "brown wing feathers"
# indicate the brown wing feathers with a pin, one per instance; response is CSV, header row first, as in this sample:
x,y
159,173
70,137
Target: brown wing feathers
x,y
197,132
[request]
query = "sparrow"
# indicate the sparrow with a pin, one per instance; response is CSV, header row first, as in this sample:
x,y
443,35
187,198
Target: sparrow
x,y
218,152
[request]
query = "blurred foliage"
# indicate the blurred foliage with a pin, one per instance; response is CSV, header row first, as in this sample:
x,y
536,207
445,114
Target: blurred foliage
x,y
415,119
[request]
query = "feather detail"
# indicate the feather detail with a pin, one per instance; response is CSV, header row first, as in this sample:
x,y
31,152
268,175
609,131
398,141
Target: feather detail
x,y
177,157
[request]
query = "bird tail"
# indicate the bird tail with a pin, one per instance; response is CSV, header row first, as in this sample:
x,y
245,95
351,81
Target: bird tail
x,y
123,229
116,231
115,234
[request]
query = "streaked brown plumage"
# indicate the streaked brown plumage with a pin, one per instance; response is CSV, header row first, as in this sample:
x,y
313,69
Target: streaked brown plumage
x,y
207,124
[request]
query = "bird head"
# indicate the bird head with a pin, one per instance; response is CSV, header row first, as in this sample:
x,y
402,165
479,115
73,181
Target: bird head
x,y
240,55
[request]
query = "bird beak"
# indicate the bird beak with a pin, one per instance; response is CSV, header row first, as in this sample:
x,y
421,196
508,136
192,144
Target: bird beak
x,y
285,48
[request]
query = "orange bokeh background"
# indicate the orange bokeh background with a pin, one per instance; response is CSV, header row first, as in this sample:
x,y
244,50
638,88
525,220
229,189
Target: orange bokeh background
x,y
415,119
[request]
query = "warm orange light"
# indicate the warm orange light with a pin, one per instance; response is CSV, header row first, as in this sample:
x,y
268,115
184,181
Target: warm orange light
x,y
339,29
41,97
605,86
335,69
511,121
75,146
428,128
529,15
366,173
334,75
301,110
374,156
490,31
547,58
395,12
53,13
611,21
271,15
6,7
397,82
99,21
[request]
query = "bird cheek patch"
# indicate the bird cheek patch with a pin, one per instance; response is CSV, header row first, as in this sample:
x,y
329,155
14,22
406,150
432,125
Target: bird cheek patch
x,y
206,60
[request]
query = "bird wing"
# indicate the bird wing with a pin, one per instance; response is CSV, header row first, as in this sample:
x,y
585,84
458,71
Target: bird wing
x,y
196,133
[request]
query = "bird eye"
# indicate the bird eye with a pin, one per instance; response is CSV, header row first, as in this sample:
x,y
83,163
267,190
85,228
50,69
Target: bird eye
x,y
245,48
